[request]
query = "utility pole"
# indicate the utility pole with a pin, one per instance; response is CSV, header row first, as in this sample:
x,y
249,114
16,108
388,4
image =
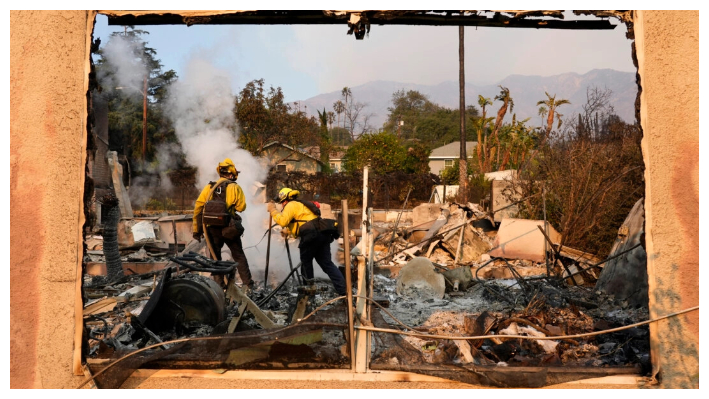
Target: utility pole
x,y
145,116
463,160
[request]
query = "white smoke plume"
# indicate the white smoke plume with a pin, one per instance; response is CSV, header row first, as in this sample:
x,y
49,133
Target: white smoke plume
x,y
125,67
201,106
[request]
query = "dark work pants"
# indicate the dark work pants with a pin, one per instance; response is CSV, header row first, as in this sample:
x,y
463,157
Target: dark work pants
x,y
319,249
237,252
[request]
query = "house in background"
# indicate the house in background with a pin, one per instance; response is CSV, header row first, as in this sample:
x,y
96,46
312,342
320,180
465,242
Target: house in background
x,y
336,156
444,157
285,158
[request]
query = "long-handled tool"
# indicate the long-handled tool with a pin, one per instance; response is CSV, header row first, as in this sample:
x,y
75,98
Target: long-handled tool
x,y
268,251
290,263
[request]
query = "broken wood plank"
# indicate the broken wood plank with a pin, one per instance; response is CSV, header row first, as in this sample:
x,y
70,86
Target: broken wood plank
x,y
300,308
579,256
235,320
460,243
87,373
290,375
431,248
105,305
233,292
464,348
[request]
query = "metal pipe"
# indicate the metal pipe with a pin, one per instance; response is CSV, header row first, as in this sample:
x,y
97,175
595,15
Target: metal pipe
x,y
398,218
365,191
546,229
370,263
174,235
348,281
268,251
568,272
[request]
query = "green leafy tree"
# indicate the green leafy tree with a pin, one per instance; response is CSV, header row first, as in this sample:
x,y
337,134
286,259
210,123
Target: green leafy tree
x,y
425,120
265,117
340,136
516,139
382,151
416,160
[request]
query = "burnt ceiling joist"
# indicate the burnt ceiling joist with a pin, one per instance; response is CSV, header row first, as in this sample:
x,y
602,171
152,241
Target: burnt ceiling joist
x,y
359,22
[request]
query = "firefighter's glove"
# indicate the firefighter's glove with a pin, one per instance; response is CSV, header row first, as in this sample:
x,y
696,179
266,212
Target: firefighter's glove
x,y
197,236
285,232
270,207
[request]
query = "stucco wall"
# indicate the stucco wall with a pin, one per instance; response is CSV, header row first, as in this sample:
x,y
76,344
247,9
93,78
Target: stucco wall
x,y
48,70
667,44
48,55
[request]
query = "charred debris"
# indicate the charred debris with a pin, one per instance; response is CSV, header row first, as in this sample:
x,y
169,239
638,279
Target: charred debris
x,y
438,272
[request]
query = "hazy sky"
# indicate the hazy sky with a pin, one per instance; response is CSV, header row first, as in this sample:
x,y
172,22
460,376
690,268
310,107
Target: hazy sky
x,y
306,60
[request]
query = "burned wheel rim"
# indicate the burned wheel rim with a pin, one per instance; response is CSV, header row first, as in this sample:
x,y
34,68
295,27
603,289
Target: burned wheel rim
x,y
189,302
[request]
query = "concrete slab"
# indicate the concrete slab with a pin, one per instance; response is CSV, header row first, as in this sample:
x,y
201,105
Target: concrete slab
x,y
425,213
521,239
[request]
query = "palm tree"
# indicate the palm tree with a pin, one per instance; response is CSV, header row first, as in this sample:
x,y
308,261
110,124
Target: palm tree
x,y
543,112
552,104
507,102
330,118
339,108
482,144
347,94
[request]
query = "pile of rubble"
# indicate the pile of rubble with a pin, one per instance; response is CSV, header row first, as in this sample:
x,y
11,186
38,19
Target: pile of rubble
x,y
449,272
463,277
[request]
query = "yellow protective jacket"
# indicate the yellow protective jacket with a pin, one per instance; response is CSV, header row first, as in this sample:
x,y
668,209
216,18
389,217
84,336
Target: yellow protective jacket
x,y
235,202
293,211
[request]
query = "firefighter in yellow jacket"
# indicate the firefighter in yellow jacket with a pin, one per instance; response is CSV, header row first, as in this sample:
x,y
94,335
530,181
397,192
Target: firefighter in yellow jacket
x,y
313,245
223,224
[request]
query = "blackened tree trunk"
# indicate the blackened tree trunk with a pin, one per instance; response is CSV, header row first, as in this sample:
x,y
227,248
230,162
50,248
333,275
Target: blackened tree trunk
x,y
114,267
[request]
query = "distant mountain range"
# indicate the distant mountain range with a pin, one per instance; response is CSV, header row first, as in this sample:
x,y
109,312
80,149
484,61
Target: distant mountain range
x,y
525,91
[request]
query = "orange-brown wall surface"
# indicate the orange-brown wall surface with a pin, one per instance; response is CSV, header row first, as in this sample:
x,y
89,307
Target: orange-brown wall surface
x,y
49,53
667,44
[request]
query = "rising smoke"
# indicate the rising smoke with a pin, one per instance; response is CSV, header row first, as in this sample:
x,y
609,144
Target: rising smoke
x,y
124,67
201,106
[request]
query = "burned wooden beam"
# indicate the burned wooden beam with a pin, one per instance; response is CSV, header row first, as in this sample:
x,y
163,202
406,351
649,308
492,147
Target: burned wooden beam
x,y
316,17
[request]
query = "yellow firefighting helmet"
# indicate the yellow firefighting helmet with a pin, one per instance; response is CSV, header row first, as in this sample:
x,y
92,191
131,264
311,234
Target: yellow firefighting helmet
x,y
286,194
228,166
